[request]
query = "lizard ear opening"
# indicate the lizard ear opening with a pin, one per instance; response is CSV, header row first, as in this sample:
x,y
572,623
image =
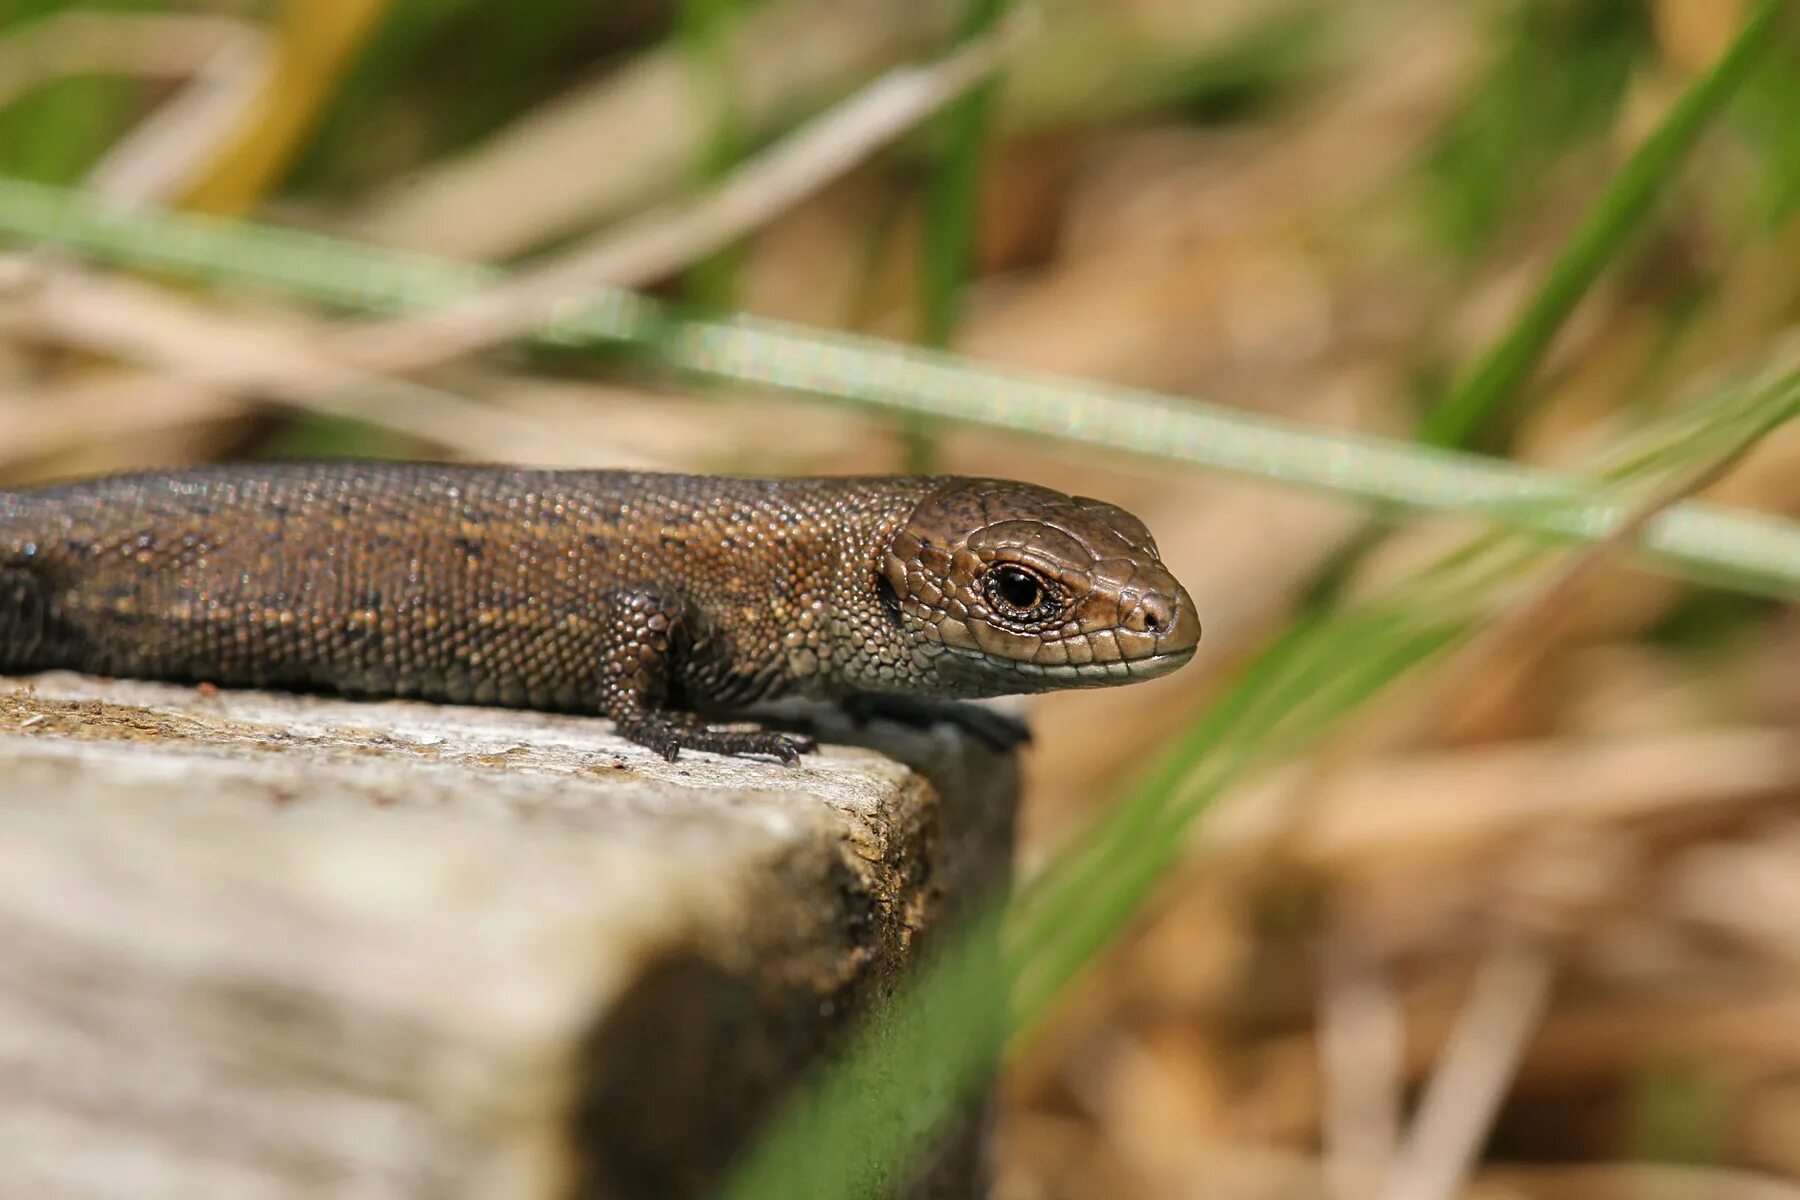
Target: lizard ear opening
x,y
890,599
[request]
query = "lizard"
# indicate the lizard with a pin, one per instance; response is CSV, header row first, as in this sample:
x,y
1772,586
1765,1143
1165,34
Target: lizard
x,y
661,601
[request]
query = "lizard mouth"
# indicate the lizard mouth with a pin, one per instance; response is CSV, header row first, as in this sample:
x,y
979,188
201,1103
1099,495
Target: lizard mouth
x,y
1148,667
1124,670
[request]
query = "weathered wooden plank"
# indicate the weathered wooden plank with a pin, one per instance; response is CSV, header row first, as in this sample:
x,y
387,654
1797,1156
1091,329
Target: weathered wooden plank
x,y
274,946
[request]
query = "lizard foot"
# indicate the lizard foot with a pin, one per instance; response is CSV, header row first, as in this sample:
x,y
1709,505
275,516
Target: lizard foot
x,y
788,747
669,735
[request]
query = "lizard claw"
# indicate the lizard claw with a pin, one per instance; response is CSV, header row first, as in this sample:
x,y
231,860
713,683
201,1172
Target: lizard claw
x,y
783,746
670,735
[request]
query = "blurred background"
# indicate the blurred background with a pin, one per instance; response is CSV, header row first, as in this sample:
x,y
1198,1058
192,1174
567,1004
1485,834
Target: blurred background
x,y
1323,209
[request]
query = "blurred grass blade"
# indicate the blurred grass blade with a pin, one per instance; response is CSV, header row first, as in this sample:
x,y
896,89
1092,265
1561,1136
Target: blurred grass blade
x,y
704,30
1089,897
1751,551
315,43
920,1061
952,206
1320,671
953,197
659,242
58,111
851,1131
1475,405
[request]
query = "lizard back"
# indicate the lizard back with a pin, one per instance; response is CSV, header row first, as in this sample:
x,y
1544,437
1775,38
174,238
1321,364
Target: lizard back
x,y
452,583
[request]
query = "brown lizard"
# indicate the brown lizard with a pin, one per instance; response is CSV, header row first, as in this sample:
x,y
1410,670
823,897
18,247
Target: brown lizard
x,y
659,601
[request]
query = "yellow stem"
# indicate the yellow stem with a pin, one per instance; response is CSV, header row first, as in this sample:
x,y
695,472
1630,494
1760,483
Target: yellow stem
x,y
317,41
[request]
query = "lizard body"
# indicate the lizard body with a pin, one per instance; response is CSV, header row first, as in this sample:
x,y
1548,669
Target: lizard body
x,y
656,600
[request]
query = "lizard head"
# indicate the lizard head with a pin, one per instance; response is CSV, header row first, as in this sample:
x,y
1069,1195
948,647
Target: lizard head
x,y
1006,587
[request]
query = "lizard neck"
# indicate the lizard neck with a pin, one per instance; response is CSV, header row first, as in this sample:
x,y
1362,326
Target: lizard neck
x,y
866,648
816,626
872,647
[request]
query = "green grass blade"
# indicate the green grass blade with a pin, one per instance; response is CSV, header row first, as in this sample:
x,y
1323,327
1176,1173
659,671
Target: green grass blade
x,y
1300,675
1750,551
927,1056
704,29
854,1128
57,131
954,194
952,205
1059,939
1340,663
1474,405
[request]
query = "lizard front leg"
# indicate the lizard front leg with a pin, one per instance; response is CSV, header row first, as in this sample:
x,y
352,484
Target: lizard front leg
x,y
646,627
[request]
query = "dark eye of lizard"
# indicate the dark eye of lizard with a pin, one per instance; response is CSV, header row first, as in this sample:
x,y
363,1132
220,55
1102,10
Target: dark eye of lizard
x,y
1014,590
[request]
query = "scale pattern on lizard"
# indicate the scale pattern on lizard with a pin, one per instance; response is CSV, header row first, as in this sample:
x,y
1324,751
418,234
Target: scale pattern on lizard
x,y
657,600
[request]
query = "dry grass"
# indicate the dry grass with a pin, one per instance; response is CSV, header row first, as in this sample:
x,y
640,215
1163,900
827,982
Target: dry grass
x,y
1565,922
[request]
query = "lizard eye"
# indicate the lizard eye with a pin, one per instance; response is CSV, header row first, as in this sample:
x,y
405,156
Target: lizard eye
x,y
1014,590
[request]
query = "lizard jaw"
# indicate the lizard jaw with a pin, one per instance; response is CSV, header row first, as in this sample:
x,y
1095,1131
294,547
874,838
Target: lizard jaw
x,y
1091,674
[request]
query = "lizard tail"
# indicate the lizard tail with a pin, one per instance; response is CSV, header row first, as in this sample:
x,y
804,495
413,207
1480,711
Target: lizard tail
x,y
26,615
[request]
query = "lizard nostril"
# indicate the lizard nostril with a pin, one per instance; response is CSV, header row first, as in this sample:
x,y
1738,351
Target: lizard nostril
x,y
1152,615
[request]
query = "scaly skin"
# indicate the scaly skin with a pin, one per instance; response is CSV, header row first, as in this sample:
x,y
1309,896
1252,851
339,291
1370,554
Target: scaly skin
x,y
652,599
